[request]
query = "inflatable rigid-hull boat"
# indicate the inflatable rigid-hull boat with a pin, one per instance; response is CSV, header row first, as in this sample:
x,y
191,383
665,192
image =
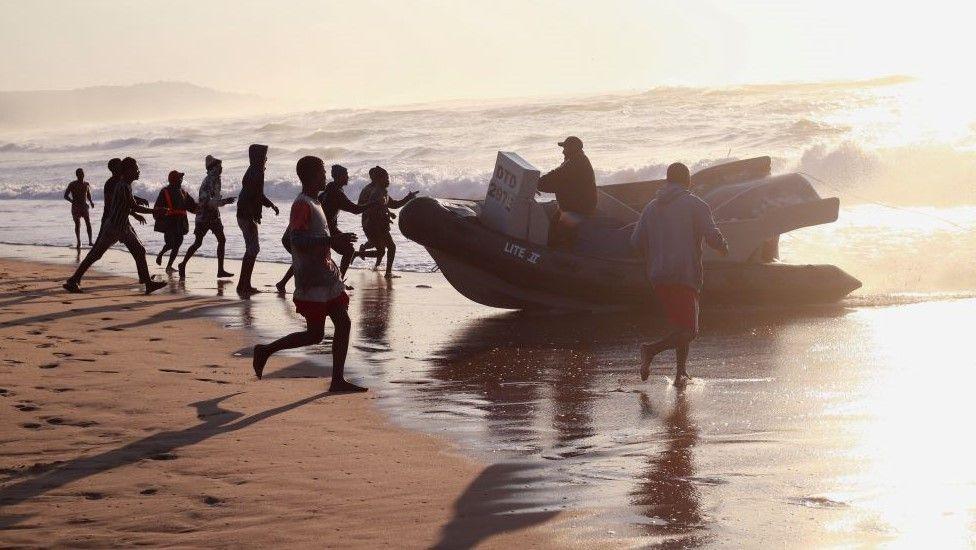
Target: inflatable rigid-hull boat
x,y
498,269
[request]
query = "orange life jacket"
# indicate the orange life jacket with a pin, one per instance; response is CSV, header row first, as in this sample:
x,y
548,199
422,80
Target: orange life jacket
x,y
170,211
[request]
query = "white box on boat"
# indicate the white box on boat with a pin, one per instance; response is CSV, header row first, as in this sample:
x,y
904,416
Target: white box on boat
x,y
510,205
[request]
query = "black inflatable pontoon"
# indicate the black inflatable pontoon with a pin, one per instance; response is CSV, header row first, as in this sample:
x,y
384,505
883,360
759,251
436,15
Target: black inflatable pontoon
x,y
517,272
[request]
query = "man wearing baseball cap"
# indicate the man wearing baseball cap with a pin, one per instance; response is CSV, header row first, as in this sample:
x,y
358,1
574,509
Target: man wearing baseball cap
x,y
171,207
574,184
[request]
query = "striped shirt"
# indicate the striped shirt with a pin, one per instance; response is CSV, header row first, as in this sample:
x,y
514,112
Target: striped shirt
x,y
121,205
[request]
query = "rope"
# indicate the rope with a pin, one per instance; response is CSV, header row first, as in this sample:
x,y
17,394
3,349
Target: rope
x,y
879,203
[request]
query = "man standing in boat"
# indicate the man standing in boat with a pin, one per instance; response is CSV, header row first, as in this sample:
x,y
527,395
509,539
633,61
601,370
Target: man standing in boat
x,y
574,184
669,236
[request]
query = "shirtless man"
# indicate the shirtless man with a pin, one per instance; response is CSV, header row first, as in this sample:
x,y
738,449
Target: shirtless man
x,y
319,292
78,194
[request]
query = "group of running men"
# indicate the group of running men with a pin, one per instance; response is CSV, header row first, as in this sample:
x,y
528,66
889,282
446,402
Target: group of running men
x,y
669,236
174,203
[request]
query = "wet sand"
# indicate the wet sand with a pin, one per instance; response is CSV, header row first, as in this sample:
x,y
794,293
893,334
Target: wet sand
x,y
842,425
135,421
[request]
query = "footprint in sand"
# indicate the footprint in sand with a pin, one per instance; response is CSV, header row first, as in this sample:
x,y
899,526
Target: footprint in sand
x,y
155,339
49,366
175,370
163,456
44,345
13,361
148,491
31,426
26,406
108,319
212,501
62,354
4,392
93,496
211,380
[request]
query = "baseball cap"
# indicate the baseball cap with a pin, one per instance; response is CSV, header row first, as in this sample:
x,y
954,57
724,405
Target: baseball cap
x,y
571,140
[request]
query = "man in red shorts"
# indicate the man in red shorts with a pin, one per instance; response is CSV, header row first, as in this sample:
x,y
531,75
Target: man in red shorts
x,y
669,235
319,290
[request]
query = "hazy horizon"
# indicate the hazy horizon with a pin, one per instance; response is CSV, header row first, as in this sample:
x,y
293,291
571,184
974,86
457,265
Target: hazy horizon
x,y
345,54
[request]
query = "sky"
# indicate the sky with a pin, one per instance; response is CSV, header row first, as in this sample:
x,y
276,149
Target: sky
x,y
365,52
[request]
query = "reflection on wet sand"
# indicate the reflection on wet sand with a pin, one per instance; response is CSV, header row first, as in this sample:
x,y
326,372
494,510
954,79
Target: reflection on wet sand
x,y
804,427
375,302
666,494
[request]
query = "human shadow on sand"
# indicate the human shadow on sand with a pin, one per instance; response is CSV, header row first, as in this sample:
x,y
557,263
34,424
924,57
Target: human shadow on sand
x,y
496,502
214,421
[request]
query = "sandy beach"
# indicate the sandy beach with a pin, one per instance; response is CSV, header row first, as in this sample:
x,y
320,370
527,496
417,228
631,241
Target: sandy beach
x,y
135,421
804,427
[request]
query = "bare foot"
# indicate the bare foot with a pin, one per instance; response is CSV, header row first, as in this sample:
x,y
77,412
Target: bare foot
x,y
159,259
72,287
342,386
153,286
281,288
221,274
647,353
170,269
182,270
259,360
391,275
681,380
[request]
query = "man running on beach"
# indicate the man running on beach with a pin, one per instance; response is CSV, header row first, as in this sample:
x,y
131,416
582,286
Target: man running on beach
x,y
108,191
250,203
669,235
208,216
319,292
116,228
333,199
78,194
174,202
377,218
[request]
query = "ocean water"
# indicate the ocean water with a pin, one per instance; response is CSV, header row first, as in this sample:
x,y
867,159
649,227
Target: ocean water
x,y
899,153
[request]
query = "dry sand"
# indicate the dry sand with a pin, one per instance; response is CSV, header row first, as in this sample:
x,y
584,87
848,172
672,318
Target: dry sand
x,y
128,420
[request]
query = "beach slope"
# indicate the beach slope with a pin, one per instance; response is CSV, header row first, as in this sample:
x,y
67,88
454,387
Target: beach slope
x,y
131,420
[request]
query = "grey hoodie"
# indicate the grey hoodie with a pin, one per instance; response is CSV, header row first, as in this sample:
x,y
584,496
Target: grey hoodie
x,y
670,233
209,200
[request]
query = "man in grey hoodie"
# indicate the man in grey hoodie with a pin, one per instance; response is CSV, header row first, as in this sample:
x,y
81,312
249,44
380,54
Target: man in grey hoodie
x,y
250,202
669,235
208,216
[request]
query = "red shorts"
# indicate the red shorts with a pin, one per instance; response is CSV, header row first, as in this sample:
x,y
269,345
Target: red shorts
x,y
316,312
680,305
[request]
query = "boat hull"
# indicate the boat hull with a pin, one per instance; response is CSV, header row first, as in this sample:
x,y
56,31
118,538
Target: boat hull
x,y
497,270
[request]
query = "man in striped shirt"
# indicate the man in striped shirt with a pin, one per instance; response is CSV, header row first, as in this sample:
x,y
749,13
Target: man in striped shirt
x,y
116,228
